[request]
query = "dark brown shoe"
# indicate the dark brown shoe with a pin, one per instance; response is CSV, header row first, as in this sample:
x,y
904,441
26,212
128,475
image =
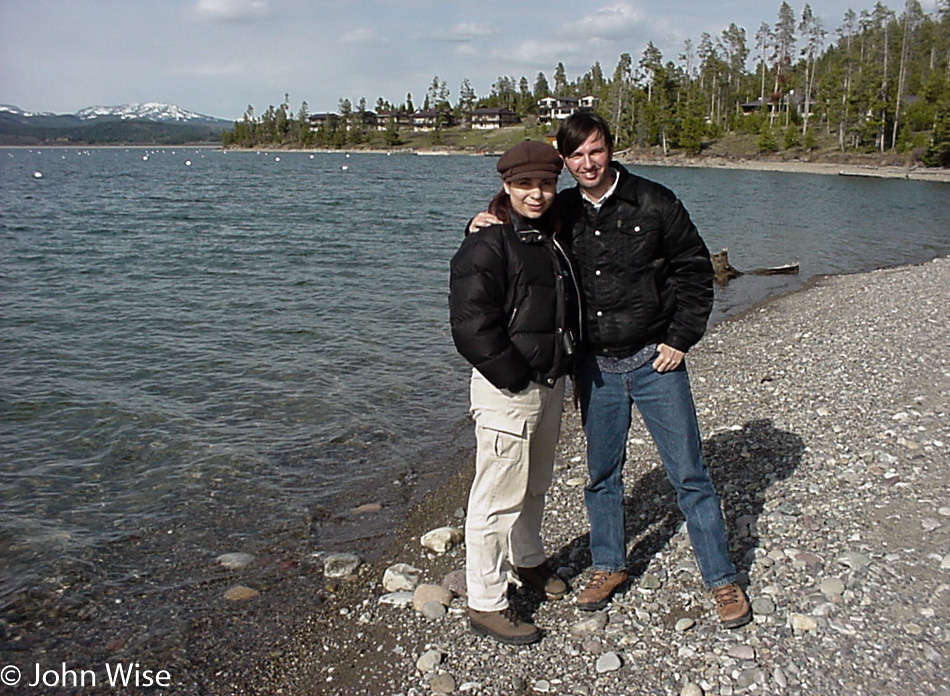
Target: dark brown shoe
x,y
600,589
732,605
505,626
544,580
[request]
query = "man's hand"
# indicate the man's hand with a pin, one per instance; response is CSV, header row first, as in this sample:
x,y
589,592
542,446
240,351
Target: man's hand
x,y
668,359
483,219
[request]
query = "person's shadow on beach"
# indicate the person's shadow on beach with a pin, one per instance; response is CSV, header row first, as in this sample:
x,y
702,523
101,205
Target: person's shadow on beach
x,y
742,463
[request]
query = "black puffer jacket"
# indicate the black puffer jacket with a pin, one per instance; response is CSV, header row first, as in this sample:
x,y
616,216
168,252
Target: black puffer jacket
x,y
513,305
645,271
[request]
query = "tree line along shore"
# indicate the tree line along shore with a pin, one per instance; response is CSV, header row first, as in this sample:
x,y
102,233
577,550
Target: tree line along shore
x,y
878,82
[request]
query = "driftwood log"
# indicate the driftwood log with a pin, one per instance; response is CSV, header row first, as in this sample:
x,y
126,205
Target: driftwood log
x,y
723,271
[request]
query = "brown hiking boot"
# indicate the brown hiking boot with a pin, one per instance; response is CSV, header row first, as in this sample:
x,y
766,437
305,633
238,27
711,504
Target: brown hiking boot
x,y
732,605
600,589
544,580
504,626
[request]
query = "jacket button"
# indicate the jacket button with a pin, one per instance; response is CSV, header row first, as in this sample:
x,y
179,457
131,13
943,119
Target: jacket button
x,y
597,272
560,330
599,313
596,233
550,381
637,228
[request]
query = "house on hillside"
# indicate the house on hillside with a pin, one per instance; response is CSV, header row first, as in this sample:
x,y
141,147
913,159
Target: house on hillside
x,y
394,119
333,121
428,119
793,100
557,108
369,118
328,120
489,118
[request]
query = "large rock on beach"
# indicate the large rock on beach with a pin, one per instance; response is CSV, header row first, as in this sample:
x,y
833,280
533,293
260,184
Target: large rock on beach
x,y
401,577
455,582
397,599
429,661
240,593
442,539
234,561
426,593
339,565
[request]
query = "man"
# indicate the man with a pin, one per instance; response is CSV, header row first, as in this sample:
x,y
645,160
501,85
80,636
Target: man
x,y
646,282
647,287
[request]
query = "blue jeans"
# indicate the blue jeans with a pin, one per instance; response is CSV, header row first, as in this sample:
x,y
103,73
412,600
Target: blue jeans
x,y
665,402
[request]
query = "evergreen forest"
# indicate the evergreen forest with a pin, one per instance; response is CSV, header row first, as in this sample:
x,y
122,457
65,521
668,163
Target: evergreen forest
x,y
878,82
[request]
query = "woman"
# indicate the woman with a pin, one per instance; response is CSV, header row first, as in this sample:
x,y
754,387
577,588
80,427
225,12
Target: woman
x,y
514,311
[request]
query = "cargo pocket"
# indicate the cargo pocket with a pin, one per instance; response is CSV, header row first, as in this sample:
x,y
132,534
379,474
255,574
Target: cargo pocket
x,y
502,438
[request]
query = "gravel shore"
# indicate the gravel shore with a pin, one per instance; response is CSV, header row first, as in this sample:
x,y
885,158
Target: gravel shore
x,y
800,166
824,415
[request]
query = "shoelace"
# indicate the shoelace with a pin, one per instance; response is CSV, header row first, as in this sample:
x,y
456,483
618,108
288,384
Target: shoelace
x,y
726,595
599,579
510,614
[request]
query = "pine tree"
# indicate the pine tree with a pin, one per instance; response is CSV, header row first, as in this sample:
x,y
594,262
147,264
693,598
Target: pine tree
x,y
938,154
560,81
814,34
541,87
783,48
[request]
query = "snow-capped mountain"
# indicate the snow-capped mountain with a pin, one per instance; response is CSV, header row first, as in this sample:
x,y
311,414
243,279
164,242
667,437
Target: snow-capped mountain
x,y
17,111
129,123
149,111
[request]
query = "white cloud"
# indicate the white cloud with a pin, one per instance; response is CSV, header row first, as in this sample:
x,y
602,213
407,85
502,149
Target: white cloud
x,y
534,52
233,10
210,70
468,31
609,23
363,36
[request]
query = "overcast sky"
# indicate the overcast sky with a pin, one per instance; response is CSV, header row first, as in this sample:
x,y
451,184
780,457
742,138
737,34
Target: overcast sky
x,y
218,56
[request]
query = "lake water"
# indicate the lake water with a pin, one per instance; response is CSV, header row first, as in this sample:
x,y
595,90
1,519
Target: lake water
x,y
228,351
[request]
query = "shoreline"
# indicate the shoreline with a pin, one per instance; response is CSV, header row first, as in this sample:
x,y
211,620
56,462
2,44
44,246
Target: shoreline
x,y
874,171
789,546
870,169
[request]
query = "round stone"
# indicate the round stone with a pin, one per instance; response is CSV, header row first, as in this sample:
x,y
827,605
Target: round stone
x,y
442,683
832,587
429,661
685,624
433,610
608,662
239,593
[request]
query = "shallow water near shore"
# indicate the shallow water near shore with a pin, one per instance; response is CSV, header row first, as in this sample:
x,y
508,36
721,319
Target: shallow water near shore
x,y
206,352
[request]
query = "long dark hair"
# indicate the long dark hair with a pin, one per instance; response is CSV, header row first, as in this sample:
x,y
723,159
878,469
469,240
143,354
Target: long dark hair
x,y
500,207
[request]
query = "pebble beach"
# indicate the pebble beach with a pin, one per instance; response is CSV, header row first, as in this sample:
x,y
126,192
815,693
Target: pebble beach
x,y
824,415
825,424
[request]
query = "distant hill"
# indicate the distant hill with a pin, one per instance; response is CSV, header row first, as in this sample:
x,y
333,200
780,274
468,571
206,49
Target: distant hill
x,y
151,123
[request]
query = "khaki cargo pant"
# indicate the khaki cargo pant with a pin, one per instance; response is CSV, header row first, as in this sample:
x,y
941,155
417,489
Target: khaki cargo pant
x,y
517,438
